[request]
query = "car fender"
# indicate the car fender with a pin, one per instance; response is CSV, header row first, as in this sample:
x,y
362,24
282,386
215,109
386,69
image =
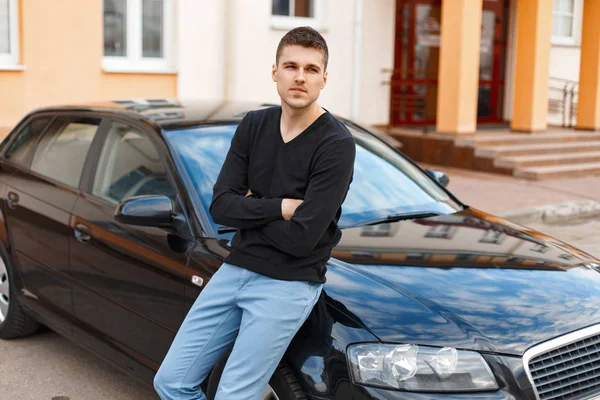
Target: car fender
x,y
317,354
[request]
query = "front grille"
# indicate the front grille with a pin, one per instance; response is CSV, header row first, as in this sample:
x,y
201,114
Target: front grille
x,y
568,367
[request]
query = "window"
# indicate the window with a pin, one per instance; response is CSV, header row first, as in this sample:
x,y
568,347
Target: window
x,y
540,248
139,36
566,21
441,232
288,14
62,151
492,237
467,257
129,166
20,149
294,8
382,230
9,40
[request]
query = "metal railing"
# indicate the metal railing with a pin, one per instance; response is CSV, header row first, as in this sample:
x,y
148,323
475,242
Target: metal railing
x,y
562,100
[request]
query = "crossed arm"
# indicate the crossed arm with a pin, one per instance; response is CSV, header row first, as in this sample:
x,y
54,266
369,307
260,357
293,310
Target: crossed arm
x,y
229,205
327,188
293,226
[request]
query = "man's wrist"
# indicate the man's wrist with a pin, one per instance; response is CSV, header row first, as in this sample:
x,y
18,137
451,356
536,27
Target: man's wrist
x,y
273,208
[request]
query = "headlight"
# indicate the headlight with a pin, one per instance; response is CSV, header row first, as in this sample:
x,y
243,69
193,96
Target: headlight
x,y
420,368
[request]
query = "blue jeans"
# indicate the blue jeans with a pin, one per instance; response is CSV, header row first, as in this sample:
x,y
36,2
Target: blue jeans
x,y
259,313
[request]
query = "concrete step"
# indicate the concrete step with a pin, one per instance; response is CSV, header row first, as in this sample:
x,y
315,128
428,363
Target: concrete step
x,y
513,162
531,149
499,139
558,171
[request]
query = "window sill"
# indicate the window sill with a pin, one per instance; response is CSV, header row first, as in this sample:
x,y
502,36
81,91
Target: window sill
x,y
153,71
288,23
560,42
12,67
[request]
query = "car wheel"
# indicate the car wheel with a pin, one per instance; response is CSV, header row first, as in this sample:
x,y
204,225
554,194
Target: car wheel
x,y
282,386
13,320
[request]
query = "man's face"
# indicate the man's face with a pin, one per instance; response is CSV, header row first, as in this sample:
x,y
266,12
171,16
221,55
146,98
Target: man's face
x,y
300,75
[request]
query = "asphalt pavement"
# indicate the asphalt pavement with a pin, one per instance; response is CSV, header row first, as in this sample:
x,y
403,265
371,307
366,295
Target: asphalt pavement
x,y
46,366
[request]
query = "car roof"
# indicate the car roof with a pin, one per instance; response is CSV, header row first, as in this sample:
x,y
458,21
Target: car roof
x,y
169,113
180,114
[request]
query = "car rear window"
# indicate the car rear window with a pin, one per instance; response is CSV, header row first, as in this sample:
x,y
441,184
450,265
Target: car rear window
x,y
21,148
63,149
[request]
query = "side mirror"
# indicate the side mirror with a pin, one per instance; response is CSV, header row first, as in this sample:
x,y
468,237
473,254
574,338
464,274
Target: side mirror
x,y
154,210
439,176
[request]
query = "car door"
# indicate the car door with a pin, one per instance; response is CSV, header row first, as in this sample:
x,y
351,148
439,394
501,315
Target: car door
x,y
129,297
41,192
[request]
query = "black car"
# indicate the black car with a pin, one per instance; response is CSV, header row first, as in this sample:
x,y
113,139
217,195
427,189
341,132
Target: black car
x,y
106,238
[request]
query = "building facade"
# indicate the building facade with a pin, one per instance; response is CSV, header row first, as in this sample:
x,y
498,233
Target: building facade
x,y
392,62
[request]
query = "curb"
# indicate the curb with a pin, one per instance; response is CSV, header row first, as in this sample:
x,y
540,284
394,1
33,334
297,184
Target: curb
x,y
556,213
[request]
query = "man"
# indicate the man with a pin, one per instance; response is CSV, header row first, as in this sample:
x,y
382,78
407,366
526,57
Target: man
x,y
282,185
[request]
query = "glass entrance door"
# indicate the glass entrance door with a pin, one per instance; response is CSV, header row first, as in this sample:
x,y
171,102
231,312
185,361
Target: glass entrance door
x,y
492,56
414,82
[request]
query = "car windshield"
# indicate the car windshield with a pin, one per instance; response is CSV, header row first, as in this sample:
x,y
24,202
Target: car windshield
x,y
384,184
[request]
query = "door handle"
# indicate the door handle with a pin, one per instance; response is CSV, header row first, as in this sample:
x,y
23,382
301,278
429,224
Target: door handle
x,y
13,199
196,280
83,233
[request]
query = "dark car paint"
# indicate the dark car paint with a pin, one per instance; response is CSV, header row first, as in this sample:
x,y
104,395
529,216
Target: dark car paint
x,y
127,274
439,295
348,312
38,226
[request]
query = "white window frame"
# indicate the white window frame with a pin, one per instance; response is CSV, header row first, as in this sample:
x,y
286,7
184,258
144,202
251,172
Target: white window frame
x,y
286,23
11,60
575,38
134,62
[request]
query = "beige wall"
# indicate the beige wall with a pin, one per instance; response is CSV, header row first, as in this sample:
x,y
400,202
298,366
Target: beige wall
x,y
201,49
61,49
564,62
377,54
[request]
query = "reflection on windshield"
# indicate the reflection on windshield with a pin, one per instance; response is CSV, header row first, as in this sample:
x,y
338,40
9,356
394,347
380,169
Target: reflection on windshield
x,y
384,182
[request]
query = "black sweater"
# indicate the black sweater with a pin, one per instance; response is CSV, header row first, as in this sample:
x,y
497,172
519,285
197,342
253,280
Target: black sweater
x,y
316,167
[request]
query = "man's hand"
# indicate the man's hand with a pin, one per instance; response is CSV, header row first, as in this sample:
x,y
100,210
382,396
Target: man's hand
x,y
249,192
288,208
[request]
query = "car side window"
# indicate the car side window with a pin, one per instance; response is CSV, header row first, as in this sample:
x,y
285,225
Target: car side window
x,y
129,165
62,151
20,149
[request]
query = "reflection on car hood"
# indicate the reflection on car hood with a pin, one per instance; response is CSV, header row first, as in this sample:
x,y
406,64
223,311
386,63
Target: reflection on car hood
x,y
468,280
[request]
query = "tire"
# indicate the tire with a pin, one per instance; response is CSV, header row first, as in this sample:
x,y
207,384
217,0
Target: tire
x,y
283,384
14,322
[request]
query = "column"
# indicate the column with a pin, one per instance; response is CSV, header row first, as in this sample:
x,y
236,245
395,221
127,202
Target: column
x,y
530,99
458,75
588,106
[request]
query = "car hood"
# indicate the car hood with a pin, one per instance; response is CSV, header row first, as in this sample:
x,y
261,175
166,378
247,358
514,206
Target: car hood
x,y
468,280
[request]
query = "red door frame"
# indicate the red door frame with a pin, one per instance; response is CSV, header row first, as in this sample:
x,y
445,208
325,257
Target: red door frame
x,y
404,99
498,82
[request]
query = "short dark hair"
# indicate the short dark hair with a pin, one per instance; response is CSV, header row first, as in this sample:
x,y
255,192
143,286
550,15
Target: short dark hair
x,y
304,36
